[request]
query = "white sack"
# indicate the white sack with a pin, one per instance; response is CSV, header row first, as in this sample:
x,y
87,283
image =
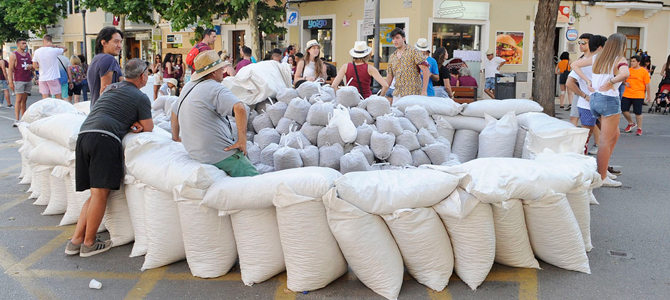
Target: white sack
x,y
579,201
329,156
118,221
344,125
382,144
498,108
512,243
360,116
46,108
463,122
520,140
50,153
354,161
83,107
136,208
256,82
62,129
165,243
367,244
58,196
498,137
44,173
434,105
465,145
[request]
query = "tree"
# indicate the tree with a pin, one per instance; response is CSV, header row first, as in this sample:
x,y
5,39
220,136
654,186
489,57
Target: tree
x,y
139,11
34,15
184,13
9,33
545,26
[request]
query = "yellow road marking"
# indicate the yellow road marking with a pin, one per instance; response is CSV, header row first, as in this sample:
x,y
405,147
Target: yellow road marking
x,y
18,200
282,292
23,277
435,295
52,245
528,284
146,284
84,274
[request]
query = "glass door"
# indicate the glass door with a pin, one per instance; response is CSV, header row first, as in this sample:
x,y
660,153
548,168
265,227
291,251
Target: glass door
x,y
456,37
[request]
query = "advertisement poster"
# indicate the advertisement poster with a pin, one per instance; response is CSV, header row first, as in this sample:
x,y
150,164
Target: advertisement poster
x,y
509,46
385,34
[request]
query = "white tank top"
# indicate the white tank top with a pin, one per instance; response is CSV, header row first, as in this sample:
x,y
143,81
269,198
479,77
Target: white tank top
x,y
598,80
309,70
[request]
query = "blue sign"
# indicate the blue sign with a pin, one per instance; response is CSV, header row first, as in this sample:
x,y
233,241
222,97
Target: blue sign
x,y
571,34
292,17
318,24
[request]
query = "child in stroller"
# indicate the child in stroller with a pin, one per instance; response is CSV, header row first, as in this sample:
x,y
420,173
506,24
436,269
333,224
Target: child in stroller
x,y
661,103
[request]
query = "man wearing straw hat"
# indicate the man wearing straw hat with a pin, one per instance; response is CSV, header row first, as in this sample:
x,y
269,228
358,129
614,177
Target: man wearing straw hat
x,y
200,119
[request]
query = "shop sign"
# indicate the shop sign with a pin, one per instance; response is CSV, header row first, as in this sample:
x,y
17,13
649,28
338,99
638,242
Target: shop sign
x,y
461,10
174,38
571,34
369,17
563,14
157,34
292,17
385,33
142,36
509,46
346,23
318,24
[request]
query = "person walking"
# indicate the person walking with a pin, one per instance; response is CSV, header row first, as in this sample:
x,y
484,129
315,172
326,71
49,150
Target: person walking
x,y
46,61
99,155
610,69
312,67
157,70
442,86
3,82
206,43
20,77
200,119
246,58
433,69
104,69
359,73
492,68
65,79
84,85
562,70
405,66
78,75
637,91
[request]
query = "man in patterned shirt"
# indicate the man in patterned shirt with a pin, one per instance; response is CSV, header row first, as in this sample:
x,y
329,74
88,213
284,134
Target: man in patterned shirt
x,y
405,66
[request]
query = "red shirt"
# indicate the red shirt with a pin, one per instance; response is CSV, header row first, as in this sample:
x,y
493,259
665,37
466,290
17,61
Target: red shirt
x,y
467,81
243,63
366,79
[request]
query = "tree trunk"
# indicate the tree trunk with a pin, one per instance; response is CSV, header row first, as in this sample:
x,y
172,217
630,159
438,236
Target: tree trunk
x,y
545,33
122,27
255,44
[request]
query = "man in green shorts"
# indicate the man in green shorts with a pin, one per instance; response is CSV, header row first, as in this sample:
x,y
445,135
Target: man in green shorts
x,y
200,119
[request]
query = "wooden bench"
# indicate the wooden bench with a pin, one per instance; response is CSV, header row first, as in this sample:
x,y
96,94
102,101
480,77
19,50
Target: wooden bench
x,y
464,94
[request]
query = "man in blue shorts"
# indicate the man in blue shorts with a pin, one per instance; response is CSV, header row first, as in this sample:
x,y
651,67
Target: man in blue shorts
x,y
492,68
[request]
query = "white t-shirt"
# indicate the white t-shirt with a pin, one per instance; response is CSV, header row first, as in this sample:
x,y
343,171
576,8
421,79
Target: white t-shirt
x,y
46,58
285,59
492,67
588,71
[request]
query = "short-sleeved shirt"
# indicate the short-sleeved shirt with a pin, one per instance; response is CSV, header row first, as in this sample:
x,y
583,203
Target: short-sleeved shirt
x,y
588,71
46,58
203,120
78,74
563,66
492,67
405,71
243,63
432,67
444,74
101,65
117,109
467,81
638,80
63,65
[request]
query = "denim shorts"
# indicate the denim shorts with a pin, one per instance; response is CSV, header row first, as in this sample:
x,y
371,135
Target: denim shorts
x,y
605,106
490,83
3,85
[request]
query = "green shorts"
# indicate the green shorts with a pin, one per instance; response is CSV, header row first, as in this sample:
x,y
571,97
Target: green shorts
x,y
237,165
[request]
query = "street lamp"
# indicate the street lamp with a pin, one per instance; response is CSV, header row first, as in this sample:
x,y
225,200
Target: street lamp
x,y
83,17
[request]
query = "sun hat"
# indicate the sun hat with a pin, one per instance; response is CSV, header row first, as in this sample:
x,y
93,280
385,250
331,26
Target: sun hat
x,y
422,44
311,43
205,63
173,81
360,49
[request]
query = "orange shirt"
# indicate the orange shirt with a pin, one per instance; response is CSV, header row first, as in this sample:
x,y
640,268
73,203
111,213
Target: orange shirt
x,y
563,65
638,80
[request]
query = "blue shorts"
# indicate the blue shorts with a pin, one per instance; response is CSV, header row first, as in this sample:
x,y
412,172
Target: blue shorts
x,y
3,85
605,106
389,92
586,117
490,83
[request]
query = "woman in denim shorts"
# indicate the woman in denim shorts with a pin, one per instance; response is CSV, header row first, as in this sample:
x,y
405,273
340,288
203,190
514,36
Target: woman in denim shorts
x,y
610,69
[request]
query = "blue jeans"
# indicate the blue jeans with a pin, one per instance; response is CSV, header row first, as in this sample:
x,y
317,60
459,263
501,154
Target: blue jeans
x,y
84,90
603,105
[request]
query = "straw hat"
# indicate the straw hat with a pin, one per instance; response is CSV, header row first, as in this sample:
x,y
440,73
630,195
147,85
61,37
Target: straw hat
x,y
205,63
422,44
173,81
360,49
311,43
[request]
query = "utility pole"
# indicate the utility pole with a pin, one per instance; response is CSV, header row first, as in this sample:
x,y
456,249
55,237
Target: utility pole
x,y
378,52
83,16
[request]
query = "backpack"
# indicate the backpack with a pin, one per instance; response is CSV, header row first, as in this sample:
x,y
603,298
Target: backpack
x,y
190,57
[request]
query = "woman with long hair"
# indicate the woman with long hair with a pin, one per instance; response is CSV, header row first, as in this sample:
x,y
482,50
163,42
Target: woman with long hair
x,y
443,86
157,70
291,61
168,68
179,68
610,69
359,73
562,70
312,66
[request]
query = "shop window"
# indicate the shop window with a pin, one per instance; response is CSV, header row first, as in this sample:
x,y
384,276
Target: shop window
x,y
322,31
456,37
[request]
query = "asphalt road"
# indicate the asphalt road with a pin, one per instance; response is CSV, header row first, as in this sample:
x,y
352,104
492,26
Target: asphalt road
x,y
632,221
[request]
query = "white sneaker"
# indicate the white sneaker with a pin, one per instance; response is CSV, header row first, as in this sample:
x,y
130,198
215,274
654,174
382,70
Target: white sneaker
x,y
593,150
611,176
607,182
2,105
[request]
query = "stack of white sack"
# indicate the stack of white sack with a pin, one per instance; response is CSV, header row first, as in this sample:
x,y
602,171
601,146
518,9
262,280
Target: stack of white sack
x,y
413,232
161,111
262,230
257,82
553,230
545,132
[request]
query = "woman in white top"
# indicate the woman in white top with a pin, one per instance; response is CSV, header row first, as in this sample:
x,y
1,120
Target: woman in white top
x,y
312,67
610,69
157,70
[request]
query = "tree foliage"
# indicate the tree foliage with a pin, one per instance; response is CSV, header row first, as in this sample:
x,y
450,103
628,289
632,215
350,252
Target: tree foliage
x,y
9,33
34,15
134,10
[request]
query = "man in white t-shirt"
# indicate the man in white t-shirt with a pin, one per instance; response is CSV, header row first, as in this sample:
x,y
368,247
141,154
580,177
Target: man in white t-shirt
x,y
46,60
492,68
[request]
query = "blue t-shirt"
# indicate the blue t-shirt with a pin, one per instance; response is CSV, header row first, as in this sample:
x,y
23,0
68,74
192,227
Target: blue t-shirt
x,y
432,67
62,64
100,66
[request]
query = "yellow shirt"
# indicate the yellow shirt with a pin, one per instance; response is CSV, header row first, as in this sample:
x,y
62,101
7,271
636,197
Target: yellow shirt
x,y
638,80
406,72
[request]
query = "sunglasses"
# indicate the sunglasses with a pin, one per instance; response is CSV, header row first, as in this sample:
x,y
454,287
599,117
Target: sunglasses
x,y
581,43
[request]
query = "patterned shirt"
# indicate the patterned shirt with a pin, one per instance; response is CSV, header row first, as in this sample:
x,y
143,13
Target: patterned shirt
x,y
406,72
78,74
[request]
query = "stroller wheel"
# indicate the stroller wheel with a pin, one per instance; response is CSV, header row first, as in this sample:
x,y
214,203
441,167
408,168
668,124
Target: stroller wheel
x,y
651,109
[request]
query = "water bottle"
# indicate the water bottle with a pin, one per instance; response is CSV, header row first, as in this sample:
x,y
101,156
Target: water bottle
x,y
187,76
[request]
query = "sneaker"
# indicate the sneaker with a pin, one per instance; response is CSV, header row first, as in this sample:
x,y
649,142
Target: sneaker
x,y
16,124
11,105
611,176
72,249
569,107
594,150
607,182
638,132
97,248
630,127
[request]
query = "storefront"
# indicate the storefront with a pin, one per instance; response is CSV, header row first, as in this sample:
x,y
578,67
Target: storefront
x,y
319,28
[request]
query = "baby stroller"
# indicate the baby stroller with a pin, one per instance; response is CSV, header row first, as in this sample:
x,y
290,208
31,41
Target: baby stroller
x,y
661,103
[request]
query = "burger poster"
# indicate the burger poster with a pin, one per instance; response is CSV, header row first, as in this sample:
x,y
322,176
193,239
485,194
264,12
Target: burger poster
x,y
509,46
